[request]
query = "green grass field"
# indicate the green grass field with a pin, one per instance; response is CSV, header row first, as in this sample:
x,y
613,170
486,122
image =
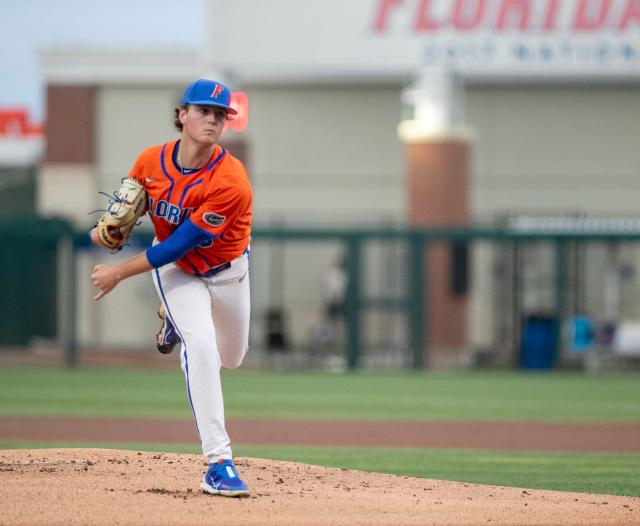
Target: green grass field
x,y
318,396
507,396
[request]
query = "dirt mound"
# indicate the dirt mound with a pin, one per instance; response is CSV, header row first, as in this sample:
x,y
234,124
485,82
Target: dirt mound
x,y
101,486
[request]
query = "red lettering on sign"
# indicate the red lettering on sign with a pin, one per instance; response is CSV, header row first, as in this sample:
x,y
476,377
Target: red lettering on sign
x,y
382,16
423,21
551,15
585,19
467,14
15,123
513,13
630,14
509,15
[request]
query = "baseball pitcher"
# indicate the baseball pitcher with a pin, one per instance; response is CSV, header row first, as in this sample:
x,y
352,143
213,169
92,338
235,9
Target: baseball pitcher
x,y
199,199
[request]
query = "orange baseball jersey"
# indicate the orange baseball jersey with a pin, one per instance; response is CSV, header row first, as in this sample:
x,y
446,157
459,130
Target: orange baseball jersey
x,y
217,198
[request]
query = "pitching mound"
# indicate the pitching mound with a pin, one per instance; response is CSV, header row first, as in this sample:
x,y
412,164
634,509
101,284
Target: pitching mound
x,y
98,486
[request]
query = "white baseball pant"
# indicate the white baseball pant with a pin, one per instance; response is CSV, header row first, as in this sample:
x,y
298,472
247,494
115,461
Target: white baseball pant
x,y
211,316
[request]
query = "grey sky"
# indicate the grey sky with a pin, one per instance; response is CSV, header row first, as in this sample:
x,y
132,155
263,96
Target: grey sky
x,y
29,25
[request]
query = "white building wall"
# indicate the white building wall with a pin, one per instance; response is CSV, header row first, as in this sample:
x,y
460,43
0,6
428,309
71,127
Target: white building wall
x,y
571,148
318,156
53,192
326,154
129,118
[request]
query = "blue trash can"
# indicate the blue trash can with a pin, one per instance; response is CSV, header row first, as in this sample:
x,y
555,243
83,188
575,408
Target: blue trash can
x,y
538,345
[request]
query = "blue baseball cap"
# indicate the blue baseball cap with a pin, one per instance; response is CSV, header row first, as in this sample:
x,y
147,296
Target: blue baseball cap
x,y
205,92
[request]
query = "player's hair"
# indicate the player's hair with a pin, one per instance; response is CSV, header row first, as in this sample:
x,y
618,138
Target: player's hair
x,y
176,118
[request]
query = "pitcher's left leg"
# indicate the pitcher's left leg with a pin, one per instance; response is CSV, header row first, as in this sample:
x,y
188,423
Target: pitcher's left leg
x,y
230,310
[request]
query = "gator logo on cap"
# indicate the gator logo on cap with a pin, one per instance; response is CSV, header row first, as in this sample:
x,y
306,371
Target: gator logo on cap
x,y
216,91
213,219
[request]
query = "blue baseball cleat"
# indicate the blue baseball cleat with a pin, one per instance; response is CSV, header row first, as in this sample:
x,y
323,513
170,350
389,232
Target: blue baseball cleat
x,y
167,337
222,479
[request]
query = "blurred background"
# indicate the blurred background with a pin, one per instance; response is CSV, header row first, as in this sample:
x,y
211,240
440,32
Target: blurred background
x,y
438,184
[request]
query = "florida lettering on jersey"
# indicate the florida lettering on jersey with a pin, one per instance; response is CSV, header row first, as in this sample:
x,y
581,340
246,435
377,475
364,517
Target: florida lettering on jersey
x,y
216,198
171,213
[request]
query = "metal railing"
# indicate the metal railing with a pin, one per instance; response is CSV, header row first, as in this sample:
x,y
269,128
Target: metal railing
x,y
69,241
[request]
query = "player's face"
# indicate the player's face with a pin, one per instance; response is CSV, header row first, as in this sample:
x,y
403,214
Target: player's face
x,y
203,123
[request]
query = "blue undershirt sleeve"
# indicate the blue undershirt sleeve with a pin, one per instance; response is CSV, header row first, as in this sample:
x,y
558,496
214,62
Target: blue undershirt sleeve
x,y
186,237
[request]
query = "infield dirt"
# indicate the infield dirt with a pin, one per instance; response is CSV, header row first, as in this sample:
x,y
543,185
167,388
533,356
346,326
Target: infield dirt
x,y
107,487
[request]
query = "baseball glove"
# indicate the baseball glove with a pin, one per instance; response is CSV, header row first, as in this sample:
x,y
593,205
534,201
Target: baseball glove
x,y
125,208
